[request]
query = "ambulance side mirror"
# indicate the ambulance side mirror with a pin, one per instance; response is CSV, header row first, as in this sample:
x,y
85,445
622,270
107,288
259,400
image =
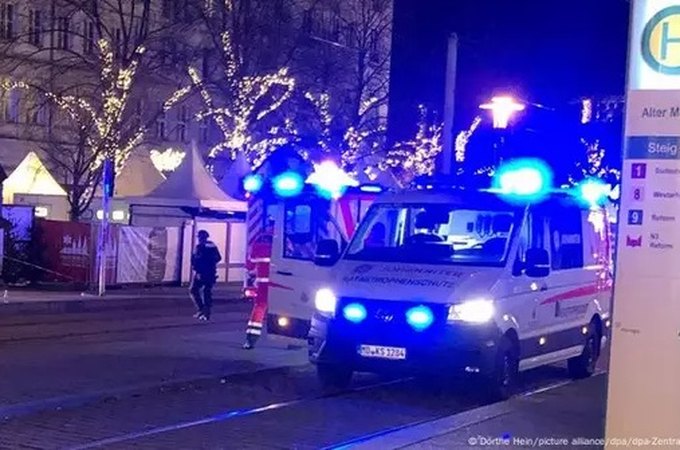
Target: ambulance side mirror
x,y
537,263
327,253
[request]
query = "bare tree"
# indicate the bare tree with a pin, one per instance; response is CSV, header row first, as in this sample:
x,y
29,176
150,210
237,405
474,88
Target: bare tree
x,y
417,156
245,92
350,47
97,65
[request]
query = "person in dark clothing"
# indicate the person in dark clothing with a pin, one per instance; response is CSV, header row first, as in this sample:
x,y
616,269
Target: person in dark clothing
x,y
204,264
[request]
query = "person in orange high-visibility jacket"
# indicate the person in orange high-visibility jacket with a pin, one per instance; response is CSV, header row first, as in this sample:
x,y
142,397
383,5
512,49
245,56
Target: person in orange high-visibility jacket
x,y
260,257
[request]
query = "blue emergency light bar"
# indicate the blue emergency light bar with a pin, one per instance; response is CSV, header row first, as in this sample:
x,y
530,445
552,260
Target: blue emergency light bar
x,y
371,188
253,183
288,184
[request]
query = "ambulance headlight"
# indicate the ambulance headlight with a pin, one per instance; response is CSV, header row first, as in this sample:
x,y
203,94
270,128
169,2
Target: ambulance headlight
x,y
325,301
472,311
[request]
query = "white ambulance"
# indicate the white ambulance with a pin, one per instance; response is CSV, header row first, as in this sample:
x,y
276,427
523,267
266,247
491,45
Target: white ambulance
x,y
300,223
465,282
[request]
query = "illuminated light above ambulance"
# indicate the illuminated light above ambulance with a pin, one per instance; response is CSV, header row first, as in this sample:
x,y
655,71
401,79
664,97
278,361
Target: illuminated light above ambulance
x,y
330,180
288,184
371,188
523,180
253,183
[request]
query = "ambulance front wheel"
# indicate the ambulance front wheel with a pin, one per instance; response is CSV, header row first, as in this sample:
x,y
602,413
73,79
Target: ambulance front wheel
x,y
334,376
502,382
585,364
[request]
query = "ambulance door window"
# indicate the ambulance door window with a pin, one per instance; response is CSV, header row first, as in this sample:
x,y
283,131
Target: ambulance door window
x,y
566,244
299,235
532,236
595,245
327,226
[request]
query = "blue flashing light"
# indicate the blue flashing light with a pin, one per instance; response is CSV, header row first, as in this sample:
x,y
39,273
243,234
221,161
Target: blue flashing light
x,y
523,180
419,317
593,191
288,184
371,188
252,183
354,312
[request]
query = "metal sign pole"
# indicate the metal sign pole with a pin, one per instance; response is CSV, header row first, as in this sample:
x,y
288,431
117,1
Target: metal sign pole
x,y
449,106
107,191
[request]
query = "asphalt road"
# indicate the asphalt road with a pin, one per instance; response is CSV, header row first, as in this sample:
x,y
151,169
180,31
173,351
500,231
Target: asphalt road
x,y
158,379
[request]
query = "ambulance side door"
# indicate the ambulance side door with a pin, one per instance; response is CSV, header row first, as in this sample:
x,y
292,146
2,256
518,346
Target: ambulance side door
x,y
524,305
294,277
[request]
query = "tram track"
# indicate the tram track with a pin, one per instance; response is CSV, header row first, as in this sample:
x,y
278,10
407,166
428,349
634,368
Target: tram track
x,y
152,323
383,398
227,415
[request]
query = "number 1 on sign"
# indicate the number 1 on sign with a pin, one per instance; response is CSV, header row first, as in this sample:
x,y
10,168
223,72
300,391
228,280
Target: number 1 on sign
x,y
639,171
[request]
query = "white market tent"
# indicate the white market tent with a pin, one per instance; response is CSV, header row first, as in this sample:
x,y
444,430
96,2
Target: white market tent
x,y
188,187
139,176
30,177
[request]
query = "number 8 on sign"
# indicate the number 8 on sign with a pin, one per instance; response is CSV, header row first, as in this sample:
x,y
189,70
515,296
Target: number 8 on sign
x,y
637,194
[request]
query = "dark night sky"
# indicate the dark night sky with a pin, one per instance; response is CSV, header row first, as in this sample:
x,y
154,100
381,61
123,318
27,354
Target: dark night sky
x,y
544,51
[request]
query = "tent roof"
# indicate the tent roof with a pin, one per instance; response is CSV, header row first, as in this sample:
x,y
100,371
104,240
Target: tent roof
x,y
191,184
32,177
139,176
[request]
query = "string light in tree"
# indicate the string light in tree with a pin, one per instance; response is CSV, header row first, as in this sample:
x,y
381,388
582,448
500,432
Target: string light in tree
x,y
418,156
117,80
249,99
586,110
464,137
321,103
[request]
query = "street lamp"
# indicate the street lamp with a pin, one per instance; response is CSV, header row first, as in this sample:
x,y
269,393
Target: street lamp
x,y
502,110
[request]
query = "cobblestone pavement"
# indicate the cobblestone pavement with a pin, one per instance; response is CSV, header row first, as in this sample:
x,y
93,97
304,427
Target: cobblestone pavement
x,y
157,380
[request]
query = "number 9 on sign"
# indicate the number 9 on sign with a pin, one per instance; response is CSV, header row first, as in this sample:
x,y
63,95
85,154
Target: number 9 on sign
x,y
635,217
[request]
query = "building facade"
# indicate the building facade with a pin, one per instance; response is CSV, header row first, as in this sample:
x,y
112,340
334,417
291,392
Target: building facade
x,y
337,47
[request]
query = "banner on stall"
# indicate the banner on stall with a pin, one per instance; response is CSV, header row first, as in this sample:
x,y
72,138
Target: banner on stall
x,y
148,255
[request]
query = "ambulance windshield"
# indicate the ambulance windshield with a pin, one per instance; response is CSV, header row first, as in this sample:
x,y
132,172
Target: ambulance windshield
x,y
435,234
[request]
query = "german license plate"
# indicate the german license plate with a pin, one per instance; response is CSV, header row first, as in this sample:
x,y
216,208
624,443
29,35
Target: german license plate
x,y
377,351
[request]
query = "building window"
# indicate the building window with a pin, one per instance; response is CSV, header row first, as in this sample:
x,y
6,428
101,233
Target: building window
x,y
13,106
36,112
35,27
118,41
182,119
167,9
88,38
63,38
203,130
161,124
374,50
138,114
307,21
7,20
4,105
350,35
379,6
205,64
